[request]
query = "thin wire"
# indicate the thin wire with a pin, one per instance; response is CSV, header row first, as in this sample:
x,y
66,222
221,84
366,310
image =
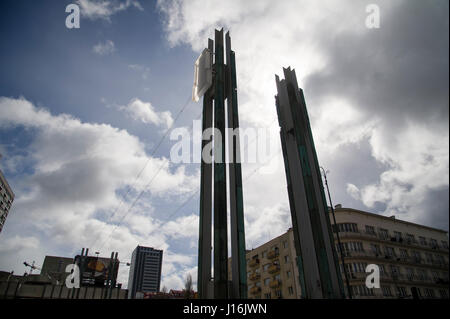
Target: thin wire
x,y
191,196
146,163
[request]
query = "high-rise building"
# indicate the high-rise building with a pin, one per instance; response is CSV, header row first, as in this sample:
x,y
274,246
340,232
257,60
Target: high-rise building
x,y
145,271
6,199
413,259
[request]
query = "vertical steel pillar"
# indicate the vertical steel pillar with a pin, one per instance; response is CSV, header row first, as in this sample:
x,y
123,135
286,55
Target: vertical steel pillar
x,y
238,260
224,87
314,242
220,186
205,245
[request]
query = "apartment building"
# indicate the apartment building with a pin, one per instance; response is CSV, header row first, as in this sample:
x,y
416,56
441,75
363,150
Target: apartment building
x,y
272,272
413,259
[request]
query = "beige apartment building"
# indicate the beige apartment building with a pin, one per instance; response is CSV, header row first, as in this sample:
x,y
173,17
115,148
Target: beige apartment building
x,y
413,259
6,199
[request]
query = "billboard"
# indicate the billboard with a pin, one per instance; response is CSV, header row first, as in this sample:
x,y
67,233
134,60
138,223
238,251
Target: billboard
x,y
95,271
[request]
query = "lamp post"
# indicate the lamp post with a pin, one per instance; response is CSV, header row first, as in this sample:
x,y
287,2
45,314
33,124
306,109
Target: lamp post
x,y
337,236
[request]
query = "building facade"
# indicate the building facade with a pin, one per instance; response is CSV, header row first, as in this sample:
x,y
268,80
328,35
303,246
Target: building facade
x,y
272,272
43,287
54,268
413,259
145,271
6,199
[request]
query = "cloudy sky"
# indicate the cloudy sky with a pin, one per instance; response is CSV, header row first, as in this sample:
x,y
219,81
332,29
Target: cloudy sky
x,y
82,112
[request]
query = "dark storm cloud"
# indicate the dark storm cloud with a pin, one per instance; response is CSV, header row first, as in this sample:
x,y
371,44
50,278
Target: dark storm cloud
x,y
435,209
398,74
399,71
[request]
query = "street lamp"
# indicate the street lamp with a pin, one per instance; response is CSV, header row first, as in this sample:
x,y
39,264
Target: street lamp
x,y
337,235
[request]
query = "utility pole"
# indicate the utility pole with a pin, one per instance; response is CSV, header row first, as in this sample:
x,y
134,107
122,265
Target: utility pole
x,y
349,290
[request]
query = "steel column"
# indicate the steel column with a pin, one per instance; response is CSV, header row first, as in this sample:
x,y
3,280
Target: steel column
x,y
205,245
314,241
239,267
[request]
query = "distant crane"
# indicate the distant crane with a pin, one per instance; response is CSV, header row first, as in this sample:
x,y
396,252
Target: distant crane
x,y
32,266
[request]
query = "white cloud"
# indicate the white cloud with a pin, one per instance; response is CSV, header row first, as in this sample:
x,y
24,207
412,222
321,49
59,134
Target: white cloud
x,y
353,191
66,199
142,69
104,48
104,9
145,112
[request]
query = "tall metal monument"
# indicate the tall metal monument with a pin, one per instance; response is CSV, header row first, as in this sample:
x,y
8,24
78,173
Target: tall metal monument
x,y
314,243
216,81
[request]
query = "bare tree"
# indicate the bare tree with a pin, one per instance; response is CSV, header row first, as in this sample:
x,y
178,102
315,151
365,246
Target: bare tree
x,y
188,287
164,289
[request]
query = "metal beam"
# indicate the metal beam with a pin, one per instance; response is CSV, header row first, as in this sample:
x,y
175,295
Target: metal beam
x,y
315,243
238,260
205,245
220,189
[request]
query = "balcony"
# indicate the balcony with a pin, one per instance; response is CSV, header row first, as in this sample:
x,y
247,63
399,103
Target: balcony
x,y
272,254
411,242
255,276
254,262
274,269
275,284
255,290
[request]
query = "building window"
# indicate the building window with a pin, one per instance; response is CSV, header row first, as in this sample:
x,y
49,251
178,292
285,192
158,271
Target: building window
x,y
443,293
386,291
398,236
348,227
383,233
362,290
359,267
421,274
286,259
285,244
440,260
278,293
266,281
429,293
433,243
429,258
389,251
410,273
410,239
291,290
370,230
375,249
403,253
395,271
288,274
417,256
401,291
266,267
435,275
444,244
268,296
422,241
264,254
382,269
